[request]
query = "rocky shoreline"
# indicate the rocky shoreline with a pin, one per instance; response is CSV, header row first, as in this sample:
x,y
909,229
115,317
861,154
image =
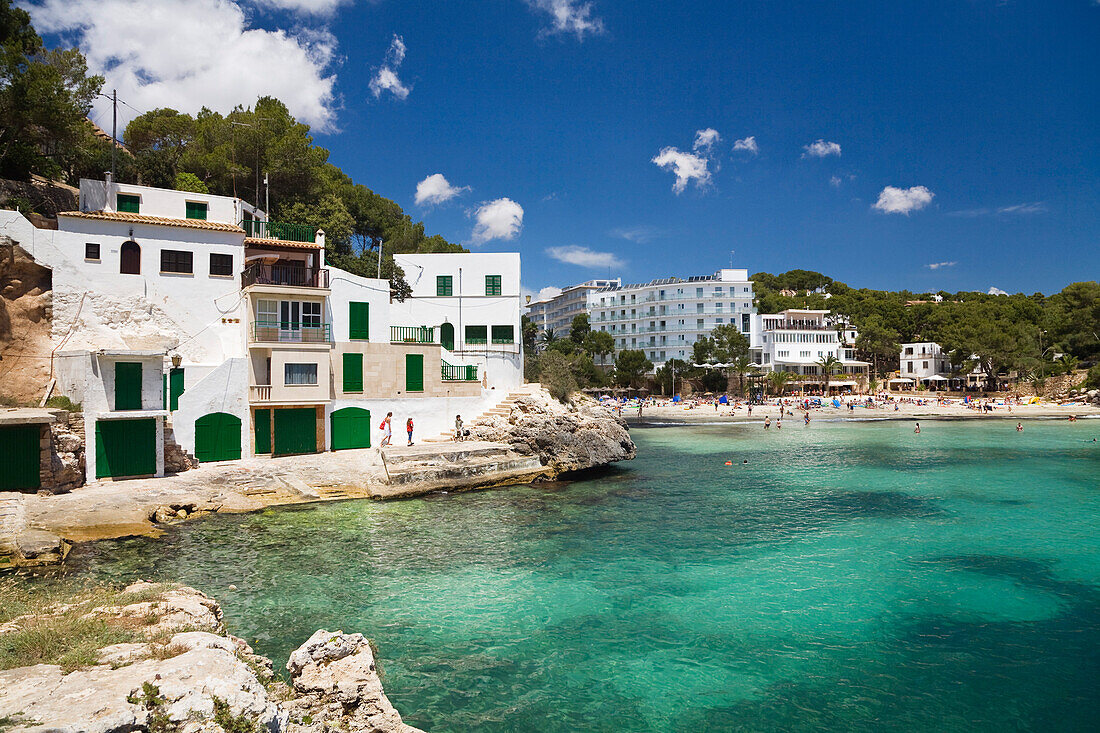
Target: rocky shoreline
x,y
536,439
184,673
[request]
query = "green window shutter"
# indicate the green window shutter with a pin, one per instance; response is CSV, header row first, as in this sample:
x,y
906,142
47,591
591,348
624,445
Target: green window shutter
x,y
414,372
444,285
263,431
128,203
353,372
504,334
476,334
359,319
175,389
492,284
127,385
196,210
19,445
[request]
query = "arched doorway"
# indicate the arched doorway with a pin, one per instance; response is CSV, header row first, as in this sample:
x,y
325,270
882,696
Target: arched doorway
x,y
130,261
218,437
350,428
447,336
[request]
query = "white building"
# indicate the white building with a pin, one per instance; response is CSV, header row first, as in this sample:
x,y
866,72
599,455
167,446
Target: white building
x,y
557,313
795,341
664,318
259,348
474,301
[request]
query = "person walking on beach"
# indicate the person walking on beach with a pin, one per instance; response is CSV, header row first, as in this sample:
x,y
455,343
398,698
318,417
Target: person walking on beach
x,y
409,428
750,409
458,428
387,430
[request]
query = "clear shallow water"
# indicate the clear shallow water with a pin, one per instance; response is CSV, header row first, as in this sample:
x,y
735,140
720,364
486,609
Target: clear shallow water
x,y
850,577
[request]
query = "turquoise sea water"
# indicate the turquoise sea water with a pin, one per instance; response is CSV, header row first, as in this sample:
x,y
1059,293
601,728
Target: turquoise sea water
x,y
849,577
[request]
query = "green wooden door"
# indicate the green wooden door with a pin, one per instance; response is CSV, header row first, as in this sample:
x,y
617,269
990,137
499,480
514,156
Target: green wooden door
x,y
414,372
218,437
359,321
447,336
350,428
295,431
127,385
175,389
125,448
19,470
263,431
353,372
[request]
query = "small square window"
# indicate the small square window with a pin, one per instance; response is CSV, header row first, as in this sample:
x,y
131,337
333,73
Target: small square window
x,y
492,284
221,264
300,374
91,250
128,203
174,260
196,210
443,285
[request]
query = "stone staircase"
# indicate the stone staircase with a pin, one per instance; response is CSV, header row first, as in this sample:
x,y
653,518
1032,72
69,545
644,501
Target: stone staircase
x,y
502,409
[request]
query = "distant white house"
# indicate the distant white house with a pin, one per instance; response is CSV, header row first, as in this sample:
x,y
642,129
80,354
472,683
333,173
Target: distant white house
x,y
796,340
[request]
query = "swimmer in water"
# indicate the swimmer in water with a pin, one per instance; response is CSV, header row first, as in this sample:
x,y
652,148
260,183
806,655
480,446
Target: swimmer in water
x,y
767,422
1019,427
917,429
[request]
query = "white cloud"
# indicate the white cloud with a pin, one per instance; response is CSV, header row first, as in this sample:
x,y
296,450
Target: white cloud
x,y
569,16
386,79
499,219
686,166
548,292
997,291
821,149
187,54
835,181
435,189
1033,207
705,140
638,234
893,200
305,7
747,144
938,265
584,257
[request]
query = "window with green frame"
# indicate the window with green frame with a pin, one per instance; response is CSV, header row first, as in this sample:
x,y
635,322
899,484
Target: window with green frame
x,y
476,334
444,285
492,284
504,334
196,210
358,321
128,203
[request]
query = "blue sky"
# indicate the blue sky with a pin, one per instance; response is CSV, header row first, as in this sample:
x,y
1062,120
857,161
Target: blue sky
x,y
980,114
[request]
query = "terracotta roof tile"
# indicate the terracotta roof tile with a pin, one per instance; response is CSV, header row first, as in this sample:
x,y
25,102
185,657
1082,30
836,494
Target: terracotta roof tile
x,y
219,226
279,243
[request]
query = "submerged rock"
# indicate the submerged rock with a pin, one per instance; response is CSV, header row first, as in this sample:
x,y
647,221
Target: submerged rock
x,y
566,437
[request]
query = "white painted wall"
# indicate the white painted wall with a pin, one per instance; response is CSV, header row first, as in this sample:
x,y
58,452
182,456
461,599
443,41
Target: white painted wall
x,y
347,288
501,363
431,417
224,389
102,196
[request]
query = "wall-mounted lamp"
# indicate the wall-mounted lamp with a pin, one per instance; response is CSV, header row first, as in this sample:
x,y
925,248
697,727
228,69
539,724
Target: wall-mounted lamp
x,y
176,361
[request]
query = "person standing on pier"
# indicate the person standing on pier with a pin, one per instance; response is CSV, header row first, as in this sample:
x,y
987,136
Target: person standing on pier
x,y
409,428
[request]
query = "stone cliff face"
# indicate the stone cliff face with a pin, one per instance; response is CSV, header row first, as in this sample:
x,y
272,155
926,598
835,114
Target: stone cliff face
x,y
566,437
186,674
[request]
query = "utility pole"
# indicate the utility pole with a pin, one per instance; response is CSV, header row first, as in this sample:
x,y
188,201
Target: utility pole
x,y
380,258
114,130
267,197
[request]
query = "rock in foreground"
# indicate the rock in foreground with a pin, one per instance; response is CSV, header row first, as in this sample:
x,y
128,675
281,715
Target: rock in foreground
x,y
183,673
566,437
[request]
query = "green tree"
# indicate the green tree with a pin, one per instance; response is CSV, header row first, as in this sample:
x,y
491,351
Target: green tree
x,y
877,342
579,328
548,338
158,140
599,344
665,375
190,182
45,96
778,380
630,365
327,213
729,343
530,331
556,374
829,364
742,365
703,350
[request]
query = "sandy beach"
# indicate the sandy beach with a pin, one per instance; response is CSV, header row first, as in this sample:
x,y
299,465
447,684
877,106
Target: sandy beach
x,y
678,412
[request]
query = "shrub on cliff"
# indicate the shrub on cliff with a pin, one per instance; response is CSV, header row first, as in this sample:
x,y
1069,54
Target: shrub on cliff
x,y
556,374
